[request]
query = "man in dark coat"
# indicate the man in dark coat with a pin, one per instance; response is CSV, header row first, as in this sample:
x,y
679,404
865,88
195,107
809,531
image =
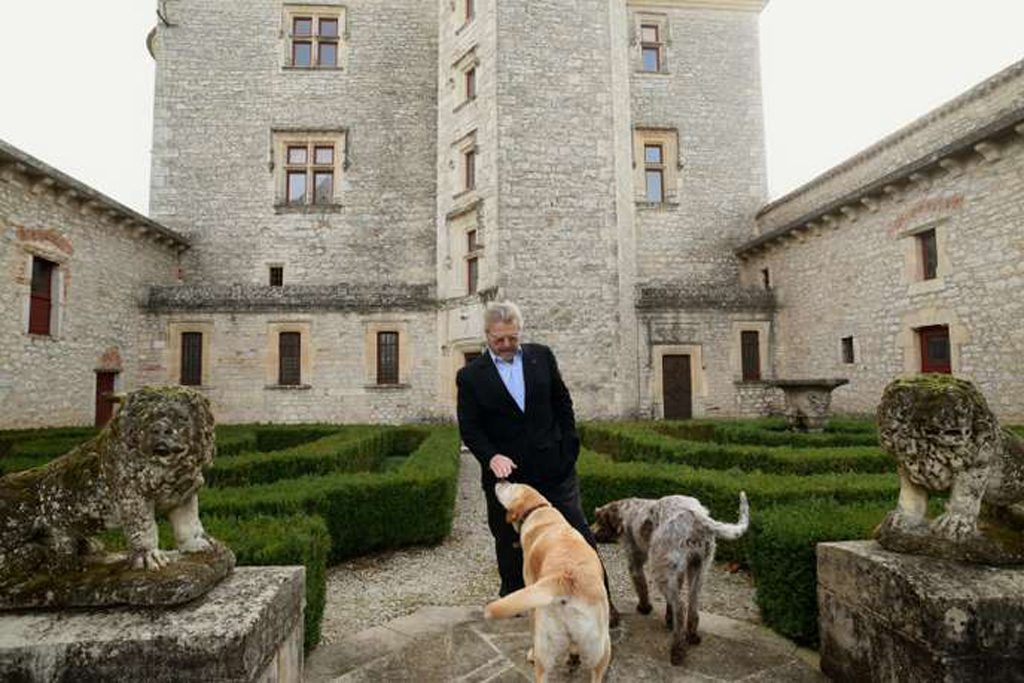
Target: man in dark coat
x,y
516,416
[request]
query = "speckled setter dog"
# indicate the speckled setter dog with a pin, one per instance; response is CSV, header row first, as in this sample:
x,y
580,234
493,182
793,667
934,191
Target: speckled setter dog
x,y
677,536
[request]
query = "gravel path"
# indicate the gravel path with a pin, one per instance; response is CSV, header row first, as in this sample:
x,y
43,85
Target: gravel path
x,y
369,591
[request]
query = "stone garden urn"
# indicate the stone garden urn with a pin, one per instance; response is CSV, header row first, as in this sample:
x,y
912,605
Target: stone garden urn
x,y
807,401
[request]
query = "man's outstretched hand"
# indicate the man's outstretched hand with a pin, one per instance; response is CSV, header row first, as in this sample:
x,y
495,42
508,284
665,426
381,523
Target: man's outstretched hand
x,y
501,466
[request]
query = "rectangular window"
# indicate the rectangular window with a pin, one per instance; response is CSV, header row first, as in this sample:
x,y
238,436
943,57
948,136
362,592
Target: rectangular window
x,y
469,169
751,352
929,254
935,355
470,10
41,297
289,359
766,278
470,83
472,274
387,358
314,39
650,47
847,343
276,276
654,173
310,170
191,358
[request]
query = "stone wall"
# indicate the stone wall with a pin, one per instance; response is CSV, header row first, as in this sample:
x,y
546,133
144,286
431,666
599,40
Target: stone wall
x,y
223,88
104,264
855,271
338,370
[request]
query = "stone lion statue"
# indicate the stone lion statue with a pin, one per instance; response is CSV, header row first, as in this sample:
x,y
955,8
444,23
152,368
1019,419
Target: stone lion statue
x,y
945,438
148,461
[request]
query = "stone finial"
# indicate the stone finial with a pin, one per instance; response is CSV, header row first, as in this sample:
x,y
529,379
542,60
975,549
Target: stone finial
x,y
147,462
945,438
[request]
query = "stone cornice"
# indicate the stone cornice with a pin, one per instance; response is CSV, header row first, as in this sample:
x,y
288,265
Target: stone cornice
x,y
43,178
735,5
979,141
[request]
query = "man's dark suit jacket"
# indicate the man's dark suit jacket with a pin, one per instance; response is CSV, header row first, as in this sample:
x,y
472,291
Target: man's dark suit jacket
x,y
542,441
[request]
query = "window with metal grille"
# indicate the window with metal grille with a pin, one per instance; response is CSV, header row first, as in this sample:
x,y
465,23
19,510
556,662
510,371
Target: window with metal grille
x,y
387,358
41,296
276,276
191,358
847,349
935,355
929,254
751,353
289,358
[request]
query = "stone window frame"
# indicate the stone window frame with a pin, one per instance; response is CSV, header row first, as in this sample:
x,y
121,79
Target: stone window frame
x,y
459,225
275,274
467,164
58,293
763,329
281,140
272,354
659,22
175,330
908,339
466,76
316,13
472,258
913,256
371,329
671,164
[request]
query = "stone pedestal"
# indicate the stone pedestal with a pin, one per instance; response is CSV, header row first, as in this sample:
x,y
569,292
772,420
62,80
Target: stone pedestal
x,y
887,616
248,628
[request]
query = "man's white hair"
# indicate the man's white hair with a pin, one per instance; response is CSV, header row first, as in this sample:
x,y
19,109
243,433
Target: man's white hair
x,y
502,312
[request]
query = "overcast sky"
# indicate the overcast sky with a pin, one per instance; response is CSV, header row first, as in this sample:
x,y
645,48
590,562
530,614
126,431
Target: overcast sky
x,y
76,85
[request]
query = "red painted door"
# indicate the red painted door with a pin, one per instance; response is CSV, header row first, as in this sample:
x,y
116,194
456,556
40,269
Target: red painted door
x,y
104,396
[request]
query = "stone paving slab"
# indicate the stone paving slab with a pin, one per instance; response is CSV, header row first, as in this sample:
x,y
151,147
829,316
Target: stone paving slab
x,y
457,644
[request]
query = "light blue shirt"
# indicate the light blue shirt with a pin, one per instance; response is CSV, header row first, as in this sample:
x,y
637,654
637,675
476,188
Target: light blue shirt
x,y
511,373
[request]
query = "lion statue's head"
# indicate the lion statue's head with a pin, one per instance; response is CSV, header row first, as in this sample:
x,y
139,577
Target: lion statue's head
x,y
160,440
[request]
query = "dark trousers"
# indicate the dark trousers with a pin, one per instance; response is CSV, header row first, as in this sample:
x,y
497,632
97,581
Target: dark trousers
x,y
564,497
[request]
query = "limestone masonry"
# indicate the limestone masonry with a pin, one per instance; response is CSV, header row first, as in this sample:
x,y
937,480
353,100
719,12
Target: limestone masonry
x,y
339,188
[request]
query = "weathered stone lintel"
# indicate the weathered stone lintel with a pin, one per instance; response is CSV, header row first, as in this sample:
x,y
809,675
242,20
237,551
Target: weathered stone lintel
x,y
257,298
696,296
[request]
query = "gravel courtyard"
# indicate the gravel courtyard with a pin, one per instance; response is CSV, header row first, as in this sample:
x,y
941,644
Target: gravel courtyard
x,y
461,571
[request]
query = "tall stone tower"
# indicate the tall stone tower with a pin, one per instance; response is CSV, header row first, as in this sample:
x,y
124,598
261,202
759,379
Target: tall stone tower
x,y
359,178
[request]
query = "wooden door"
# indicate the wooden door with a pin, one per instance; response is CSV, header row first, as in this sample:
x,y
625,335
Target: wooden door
x,y
935,355
677,390
104,397
469,356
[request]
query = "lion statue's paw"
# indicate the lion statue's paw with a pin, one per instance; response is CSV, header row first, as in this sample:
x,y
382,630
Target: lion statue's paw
x,y
150,559
955,527
197,544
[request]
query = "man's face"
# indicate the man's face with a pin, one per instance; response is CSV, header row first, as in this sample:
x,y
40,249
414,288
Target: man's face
x,y
503,340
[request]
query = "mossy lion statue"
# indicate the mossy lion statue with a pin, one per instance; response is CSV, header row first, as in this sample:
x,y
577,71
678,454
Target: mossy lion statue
x,y
147,462
945,438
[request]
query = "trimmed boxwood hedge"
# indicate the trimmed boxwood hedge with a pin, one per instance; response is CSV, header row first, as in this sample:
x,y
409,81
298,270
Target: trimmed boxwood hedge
x,y
364,511
345,450
635,442
737,432
286,540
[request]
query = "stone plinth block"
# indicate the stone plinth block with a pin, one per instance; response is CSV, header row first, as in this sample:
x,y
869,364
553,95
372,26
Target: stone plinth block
x,y
248,628
888,616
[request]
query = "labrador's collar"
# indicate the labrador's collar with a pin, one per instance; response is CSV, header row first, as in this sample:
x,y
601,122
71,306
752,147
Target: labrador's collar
x,y
530,511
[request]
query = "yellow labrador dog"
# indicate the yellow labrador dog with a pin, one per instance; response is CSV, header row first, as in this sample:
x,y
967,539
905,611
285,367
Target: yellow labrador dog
x,y
564,586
